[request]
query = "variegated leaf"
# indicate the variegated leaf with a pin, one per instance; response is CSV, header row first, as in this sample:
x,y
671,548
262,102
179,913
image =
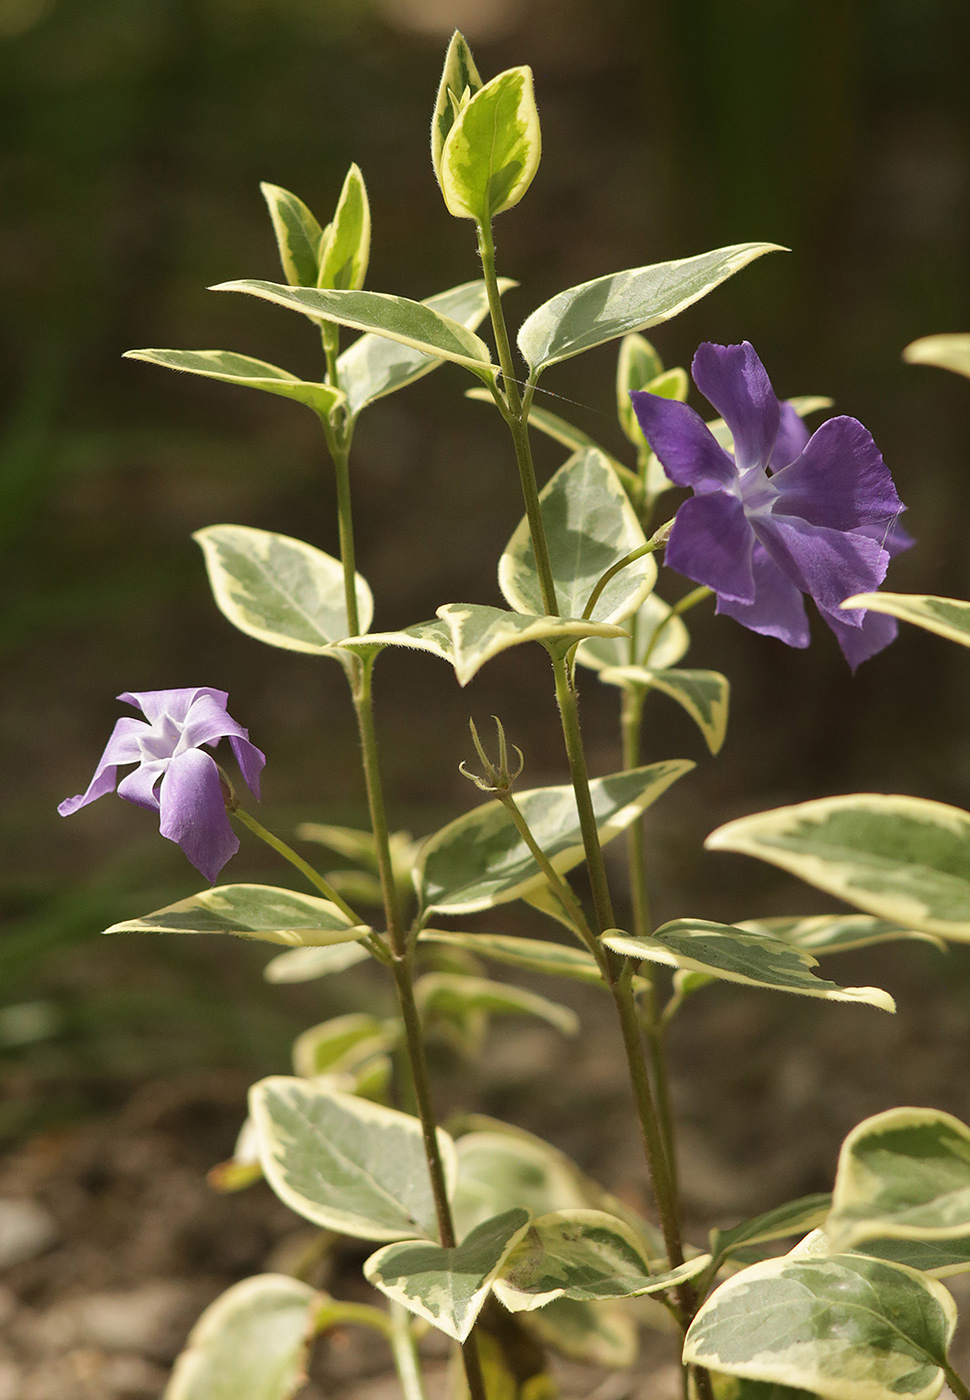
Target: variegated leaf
x,y
945,351
491,153
447,1287
480,859
530,954
298,235
703,694
844,1328
263,912
658,639
902,1174
459,82
345,249
344,1163
374,366
904,859
307,964
412,323
252,1343
947,617
793,1218
722,951
341,1044
248,373
598,1334
586,1255
836,933
453,992
280,590
633,300
590,526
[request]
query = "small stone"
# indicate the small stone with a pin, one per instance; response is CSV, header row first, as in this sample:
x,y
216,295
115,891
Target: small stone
x,y
26,1230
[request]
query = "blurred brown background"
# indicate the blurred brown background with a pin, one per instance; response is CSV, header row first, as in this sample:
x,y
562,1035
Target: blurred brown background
x,y
133,136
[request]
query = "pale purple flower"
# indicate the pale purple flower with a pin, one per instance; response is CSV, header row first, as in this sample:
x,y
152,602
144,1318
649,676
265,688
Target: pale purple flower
x,y
174,777
788,514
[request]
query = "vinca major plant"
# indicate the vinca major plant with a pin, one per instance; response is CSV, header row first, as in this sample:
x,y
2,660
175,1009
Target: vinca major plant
x,y
489,1234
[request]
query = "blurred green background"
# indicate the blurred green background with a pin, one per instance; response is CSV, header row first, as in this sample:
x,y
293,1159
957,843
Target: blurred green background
x,y
133,136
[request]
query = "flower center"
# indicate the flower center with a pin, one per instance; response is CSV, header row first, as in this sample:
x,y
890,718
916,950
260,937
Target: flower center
x,y
758,495
161,741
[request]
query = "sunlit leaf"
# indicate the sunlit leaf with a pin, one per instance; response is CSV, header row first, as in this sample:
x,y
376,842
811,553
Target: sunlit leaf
x,y
412,323
945,351
344,1163
248,373
298,235
836,933
280,590
902,1174
263,912
659,640
491,153
252,1343
736,955
947,617
844,1328
375,366
622,302
459,81
447,1287
590,526
345,250
341,1044
703,694
904,859
480,859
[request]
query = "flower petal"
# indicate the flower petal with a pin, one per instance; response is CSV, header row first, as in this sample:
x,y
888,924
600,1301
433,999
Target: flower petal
x,y
778,609
839,480
154,704
711,542
122,747
734,380
193,812
687,450
251,761
827,564
791,439
859,643
139,785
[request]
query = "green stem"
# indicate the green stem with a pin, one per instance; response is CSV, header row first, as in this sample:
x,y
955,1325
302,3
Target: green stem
x,y
287,852
956,1384
656,542
405,1353
517,419
345,525
362,693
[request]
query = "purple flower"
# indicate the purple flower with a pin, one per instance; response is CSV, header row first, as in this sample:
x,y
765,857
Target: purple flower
x,y
787,515
166,749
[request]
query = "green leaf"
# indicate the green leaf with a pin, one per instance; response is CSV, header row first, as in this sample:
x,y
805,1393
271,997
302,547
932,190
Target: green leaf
x,y
480,860
637,366
836,933
345,249
902,1174
447,1287
735,955
469,634
660,639
939,1258
374,366
590,526
947,617
413,323
246,372
586,1255
340,1044
453,992
459,82
349,1165
703,694
499,1170
531,954
297,233
633,300
280,590
902,858
263,912
845,1328
945,351
491,153
252,1343
738,1388
599,1334
307,964
793,1218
